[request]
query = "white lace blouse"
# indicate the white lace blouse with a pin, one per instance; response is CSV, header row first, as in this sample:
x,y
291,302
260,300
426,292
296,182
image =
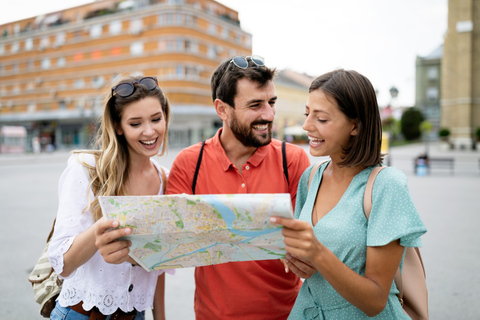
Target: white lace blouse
x,y
96,283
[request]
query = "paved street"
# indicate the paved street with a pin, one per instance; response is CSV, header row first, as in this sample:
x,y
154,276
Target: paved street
x,y
449,205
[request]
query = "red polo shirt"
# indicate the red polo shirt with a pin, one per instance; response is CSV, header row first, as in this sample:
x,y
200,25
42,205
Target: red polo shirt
x,y
241,290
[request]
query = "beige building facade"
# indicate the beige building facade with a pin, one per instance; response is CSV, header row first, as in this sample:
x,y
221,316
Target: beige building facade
x,y
460,83
55,67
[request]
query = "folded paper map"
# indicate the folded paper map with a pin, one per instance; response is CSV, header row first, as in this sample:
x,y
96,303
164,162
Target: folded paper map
x,y
181,231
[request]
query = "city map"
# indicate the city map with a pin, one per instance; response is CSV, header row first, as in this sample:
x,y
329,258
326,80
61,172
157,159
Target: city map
x,y
181,231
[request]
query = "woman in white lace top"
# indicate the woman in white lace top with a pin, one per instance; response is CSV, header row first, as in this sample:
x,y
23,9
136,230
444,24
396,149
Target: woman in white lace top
x,y
132,129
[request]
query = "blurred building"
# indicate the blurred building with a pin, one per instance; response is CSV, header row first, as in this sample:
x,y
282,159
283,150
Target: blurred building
x,y
54,67
428,87
460,77
292,92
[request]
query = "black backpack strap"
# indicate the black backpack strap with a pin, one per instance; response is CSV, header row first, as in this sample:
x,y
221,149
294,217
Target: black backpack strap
x,y
194,184
284,156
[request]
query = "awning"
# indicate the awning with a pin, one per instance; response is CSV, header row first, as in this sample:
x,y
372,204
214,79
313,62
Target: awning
x,y
294,131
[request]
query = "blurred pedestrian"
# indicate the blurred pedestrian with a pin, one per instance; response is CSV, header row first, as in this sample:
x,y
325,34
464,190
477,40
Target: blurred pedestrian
x,y
355,259
133,128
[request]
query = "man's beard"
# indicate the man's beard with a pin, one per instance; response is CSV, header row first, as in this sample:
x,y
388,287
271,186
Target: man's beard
x,y
246,135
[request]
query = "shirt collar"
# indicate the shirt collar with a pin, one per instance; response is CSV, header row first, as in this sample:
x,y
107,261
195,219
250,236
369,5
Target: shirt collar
x,y
225,162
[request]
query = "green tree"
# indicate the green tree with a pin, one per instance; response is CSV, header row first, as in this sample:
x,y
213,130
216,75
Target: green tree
x,y
410,124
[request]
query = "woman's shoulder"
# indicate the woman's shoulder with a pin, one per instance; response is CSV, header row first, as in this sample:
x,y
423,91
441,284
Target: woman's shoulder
x,y
82,158
392,175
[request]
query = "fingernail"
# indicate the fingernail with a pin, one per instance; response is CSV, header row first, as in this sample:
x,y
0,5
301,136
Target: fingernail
x,y
273,219
128,230
115,223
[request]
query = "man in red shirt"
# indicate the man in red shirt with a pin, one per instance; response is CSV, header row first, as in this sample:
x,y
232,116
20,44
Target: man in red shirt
x,y
242,158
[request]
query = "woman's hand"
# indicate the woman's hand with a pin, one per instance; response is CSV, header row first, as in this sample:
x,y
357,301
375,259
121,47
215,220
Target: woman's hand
x,y
112,250
300,242
300,268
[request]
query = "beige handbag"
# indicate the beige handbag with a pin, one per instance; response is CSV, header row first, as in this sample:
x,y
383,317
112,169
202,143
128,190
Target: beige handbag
x,y
411,283
45,282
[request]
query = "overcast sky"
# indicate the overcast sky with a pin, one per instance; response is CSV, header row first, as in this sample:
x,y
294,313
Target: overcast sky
x,y
379,38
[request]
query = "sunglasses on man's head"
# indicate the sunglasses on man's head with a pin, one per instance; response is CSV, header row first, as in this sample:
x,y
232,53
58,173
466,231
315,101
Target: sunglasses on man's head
x,y
127,89
242,62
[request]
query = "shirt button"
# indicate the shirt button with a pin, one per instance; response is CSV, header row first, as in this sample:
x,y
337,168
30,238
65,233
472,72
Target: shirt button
x,y
247,167
130,288
243,185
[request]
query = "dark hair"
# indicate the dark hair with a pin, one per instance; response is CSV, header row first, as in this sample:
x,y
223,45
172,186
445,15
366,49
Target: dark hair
x,y
356,98
116,106
226,75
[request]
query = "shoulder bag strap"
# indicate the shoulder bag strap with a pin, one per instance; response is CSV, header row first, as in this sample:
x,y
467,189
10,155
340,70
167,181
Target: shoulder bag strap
x,y
194,184
312,173
284,157
367,208
367,197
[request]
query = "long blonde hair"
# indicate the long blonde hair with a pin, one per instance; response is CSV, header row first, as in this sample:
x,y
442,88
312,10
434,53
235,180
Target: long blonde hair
x,y
108,176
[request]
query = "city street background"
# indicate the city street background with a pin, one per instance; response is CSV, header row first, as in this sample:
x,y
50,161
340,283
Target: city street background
x,y
448,204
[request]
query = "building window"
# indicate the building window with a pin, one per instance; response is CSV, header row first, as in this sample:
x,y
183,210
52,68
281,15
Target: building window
x,y
192,72
136,48
46,63
432,73
61,62
212,52
191,46
2,49
28,44
98,82
225,33
15,47
78,83
96,31
136,26
179,19
180,44
60,39
238,38
211,29
190,20
32,107
432,94
115,27
30,65
15,67
179,72
44,42
169,19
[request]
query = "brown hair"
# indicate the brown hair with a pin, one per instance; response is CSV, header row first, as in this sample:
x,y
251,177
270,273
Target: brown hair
x,y
356,98
225,77
110,173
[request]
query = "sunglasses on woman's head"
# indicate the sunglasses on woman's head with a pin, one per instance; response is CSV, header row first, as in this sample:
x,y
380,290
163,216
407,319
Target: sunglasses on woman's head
x,y
127,89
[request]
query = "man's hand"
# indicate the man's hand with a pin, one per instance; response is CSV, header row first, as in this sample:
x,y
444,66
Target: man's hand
x,y
112,250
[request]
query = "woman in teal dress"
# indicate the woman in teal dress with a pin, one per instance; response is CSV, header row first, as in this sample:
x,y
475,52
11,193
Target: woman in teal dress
x,y
348,262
